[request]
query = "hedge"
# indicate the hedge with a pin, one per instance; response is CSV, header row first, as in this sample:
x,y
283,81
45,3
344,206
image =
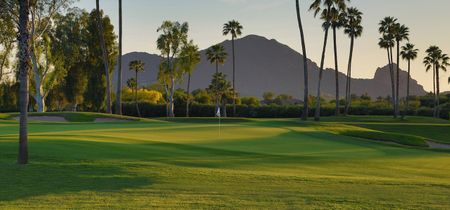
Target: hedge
x,y
265,111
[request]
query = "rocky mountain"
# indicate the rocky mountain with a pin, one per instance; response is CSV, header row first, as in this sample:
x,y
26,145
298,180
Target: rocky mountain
x,y
266,65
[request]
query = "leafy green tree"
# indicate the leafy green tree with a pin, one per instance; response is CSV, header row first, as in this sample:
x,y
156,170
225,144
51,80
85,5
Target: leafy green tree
x,y
235,29
354,29
70,38
387,41
409,53
324,7
136,66
268,97
170,42
250,101
189,59
305,65
41,15
7,40
201,96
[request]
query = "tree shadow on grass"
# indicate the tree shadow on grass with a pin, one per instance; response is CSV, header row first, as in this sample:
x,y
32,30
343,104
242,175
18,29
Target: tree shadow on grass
x,y
44,178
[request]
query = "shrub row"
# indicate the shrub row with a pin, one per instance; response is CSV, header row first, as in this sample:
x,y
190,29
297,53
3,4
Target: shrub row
x,y
271,111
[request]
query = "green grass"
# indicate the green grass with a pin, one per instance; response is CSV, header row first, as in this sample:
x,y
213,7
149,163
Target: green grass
x,y
182,163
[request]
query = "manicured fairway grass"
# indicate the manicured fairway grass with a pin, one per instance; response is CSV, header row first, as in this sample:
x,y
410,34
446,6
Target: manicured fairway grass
x,y
185,163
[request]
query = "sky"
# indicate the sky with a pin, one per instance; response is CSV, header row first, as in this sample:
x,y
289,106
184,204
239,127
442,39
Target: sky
x,y
276,19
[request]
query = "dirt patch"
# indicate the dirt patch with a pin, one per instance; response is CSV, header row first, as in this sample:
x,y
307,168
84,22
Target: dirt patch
x,y
106,120
436,145
44,118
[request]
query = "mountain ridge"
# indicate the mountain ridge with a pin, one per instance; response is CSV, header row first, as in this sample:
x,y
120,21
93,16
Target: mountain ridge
x,y
264,65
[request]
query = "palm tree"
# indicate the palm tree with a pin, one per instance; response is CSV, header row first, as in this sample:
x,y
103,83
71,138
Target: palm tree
x,y
216,54
305,64
24,68
401,32
189,58
119,66
337,21
326,17
136,66
353,29
429,61
105,57
387,41
235,29
409,53
443,63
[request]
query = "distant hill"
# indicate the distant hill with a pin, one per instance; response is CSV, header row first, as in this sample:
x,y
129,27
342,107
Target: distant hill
x,y
266,65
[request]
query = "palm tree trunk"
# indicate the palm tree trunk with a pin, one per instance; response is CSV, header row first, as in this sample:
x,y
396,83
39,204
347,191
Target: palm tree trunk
x,y
434,90
119,66
322,63
188,93
336,66
24,68
105,58
136,94
305,65
349,77
438,109
234,78
391,70
397,88
217,100
408,88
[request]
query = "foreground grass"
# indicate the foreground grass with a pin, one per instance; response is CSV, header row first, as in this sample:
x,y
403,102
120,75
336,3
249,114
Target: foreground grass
x,y
182,163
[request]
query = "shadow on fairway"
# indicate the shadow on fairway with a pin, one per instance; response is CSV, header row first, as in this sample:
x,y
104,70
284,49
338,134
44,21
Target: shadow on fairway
x,y
38,179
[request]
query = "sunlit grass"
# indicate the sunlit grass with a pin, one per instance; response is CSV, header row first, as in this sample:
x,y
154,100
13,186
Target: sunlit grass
x,y
173,164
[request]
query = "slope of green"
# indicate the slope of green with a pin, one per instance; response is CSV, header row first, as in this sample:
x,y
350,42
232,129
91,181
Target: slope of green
x,y
173,164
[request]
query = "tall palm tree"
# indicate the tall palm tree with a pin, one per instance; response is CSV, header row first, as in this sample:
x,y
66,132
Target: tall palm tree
x,y
354,29
136,66
216,54
305,65
409,53
401,32
189,58
337,21
431,61
105,57
387,41
443,63
325,12
235,29
24,68
119,66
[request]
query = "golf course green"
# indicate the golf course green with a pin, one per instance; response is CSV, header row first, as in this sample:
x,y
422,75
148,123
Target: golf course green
x,y
339,163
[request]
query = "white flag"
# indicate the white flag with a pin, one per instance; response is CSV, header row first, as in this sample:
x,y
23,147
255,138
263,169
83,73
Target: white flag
x,y
218,112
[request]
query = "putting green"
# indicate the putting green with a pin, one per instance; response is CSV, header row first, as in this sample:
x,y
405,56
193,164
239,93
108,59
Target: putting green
x,y
185,163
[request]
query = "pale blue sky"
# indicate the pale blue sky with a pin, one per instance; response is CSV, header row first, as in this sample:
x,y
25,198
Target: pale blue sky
x,y
428,21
